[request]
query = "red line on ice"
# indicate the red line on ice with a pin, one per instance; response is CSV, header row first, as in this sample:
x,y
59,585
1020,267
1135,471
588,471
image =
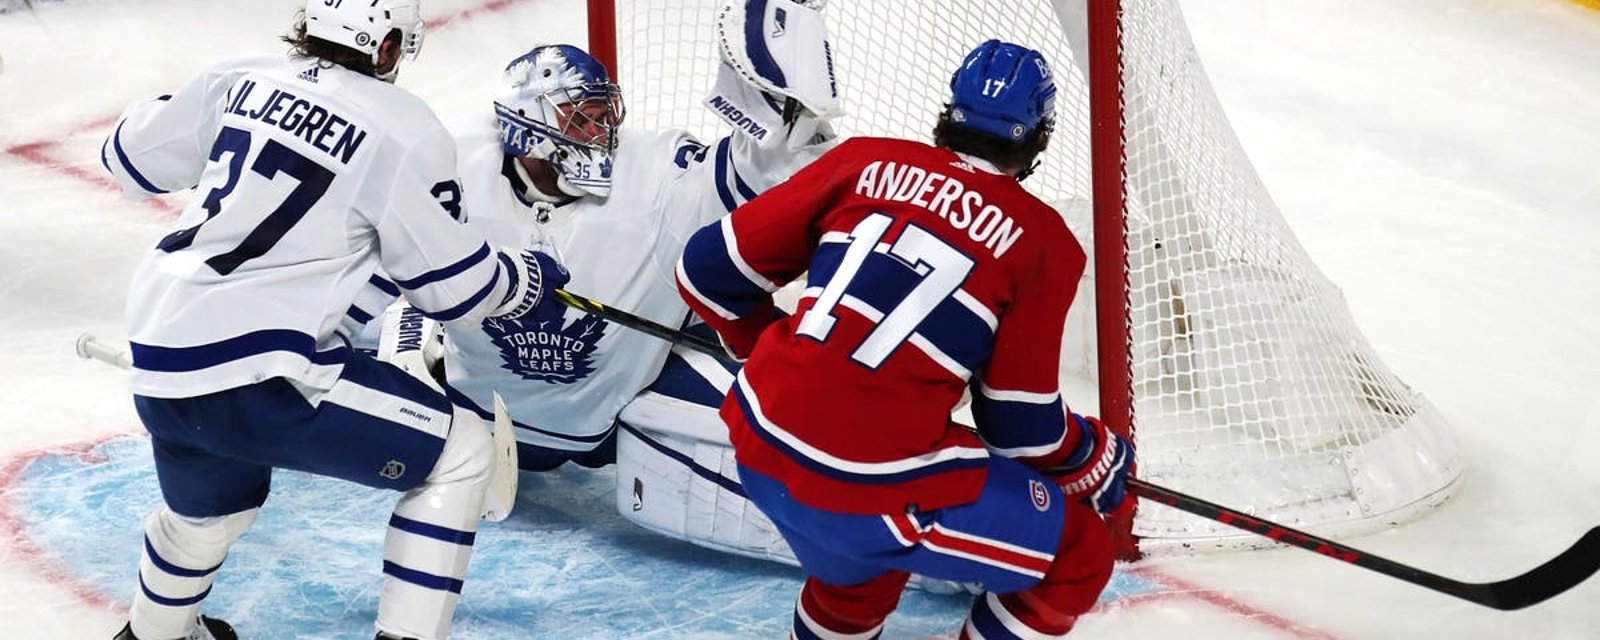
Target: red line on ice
x,y
12,530
39,152
1179,589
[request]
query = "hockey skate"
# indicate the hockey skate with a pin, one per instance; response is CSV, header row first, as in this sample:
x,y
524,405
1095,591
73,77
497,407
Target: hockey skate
x,y
205,629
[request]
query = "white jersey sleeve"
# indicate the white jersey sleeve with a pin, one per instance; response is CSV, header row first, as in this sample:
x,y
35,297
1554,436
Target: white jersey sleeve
x,y
161,145
307,179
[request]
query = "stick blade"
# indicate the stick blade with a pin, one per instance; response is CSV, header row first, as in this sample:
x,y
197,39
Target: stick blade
x,y
1548,580
501,496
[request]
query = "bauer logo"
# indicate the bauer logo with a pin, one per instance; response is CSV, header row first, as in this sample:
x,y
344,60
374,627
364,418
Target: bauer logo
x,y
545,347
1040,495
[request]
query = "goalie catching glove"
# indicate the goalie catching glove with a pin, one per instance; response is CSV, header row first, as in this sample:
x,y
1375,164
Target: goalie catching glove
x,y
1097,471
776,60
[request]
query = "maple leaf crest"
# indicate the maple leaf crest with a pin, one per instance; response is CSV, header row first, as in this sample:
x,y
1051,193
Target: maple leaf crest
x,y
544,346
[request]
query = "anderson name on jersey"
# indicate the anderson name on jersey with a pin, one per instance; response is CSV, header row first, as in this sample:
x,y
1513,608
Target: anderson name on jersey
x,y
926,271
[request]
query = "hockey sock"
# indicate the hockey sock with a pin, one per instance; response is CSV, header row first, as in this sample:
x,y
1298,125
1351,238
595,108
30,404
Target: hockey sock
x,y
180,561
857,612
429,541
1071,585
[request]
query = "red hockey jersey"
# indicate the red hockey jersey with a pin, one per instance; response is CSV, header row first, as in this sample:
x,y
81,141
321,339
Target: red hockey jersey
x,y
926,272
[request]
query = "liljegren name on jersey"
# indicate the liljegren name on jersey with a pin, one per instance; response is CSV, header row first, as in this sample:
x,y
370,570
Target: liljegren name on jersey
x,y
319,127
939,193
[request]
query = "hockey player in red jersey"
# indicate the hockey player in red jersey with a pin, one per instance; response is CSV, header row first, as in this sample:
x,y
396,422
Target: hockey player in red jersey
x,y
929,269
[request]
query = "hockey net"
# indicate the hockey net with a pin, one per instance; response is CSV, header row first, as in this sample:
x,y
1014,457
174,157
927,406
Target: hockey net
x,y
1233,361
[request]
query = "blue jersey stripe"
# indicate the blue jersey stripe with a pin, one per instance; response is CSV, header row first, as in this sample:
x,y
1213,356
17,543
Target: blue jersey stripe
x,y
883,282
1013,425
182,359
358,314
728,202
127,165
709,266
466,306
384,285
446,272
745,191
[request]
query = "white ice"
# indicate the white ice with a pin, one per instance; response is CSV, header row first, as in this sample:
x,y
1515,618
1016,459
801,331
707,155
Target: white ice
x,y
1436,157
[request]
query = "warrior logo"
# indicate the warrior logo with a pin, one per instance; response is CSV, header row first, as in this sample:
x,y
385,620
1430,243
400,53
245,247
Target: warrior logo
x,y
543,346
393,469
1040,495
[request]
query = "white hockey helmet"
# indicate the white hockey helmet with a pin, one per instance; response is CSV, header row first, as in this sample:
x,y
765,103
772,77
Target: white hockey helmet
x,y
363,24
558,104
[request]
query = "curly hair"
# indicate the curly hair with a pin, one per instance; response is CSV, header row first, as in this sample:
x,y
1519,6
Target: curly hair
x,y
304,46
1008,156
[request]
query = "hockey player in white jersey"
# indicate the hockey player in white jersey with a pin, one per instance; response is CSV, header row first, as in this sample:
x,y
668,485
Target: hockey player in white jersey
x,y
309,172
617,204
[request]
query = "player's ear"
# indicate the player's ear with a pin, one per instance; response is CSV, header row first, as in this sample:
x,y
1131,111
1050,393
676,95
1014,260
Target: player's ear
x,y
389,52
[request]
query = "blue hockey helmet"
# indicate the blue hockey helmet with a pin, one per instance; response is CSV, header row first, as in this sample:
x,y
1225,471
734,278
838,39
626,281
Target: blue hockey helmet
x,y
1004,90
557,103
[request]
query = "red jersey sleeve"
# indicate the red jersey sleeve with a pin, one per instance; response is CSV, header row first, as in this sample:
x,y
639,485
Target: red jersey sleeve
x,y
1017,401
731,267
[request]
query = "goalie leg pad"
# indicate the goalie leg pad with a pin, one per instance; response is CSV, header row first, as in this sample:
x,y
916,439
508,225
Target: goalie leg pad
x,y
180,561
687,489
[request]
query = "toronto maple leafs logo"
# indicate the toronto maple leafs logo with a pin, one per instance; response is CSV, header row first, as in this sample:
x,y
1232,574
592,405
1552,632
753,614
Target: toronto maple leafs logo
x,y
544,346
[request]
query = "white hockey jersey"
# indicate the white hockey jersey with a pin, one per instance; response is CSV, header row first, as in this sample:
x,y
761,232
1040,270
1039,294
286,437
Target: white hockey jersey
x,y
308,178
564,374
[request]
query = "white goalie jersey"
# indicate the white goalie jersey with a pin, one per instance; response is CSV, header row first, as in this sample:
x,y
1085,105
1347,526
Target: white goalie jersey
x,y
564,374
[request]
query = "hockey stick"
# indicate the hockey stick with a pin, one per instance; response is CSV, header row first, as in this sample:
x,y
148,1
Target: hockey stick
x,y
637,323
1565,571
91,348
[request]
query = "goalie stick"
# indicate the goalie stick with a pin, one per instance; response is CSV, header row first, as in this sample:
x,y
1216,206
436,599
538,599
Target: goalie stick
x,y
1565,571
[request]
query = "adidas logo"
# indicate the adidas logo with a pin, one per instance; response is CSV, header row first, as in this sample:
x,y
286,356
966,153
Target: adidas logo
x,y
963,165
309,75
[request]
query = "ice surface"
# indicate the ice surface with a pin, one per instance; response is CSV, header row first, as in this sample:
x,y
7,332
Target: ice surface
x,y
1436,158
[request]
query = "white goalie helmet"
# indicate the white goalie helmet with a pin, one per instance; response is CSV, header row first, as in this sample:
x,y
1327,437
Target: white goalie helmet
x,y
558,104
363,24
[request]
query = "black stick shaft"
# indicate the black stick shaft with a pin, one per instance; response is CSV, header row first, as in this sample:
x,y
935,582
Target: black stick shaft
x,y
1555,576
637,323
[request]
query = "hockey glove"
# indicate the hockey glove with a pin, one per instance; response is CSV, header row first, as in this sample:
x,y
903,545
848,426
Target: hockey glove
x,y
1097,471
534,278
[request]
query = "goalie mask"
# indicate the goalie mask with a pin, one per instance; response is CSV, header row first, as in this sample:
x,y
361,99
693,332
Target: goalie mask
x,y
558,104
362,26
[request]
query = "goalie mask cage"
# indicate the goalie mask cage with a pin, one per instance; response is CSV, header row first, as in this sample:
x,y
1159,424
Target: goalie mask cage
x,y
1226,354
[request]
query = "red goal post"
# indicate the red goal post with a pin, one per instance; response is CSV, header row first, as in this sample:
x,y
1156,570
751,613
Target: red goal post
x,y
1222,349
